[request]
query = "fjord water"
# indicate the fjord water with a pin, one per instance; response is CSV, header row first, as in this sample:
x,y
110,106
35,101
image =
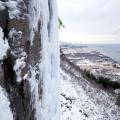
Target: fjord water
x,y
110,50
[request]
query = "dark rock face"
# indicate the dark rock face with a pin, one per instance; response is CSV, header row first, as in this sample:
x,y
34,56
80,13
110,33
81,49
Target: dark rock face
x,y
4,18
19,93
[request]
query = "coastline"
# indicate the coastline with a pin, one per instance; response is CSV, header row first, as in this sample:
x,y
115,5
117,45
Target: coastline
x,y
93,61
111,50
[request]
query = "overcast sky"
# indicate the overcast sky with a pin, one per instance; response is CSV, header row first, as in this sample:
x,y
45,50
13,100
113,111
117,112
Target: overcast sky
x,y
90,21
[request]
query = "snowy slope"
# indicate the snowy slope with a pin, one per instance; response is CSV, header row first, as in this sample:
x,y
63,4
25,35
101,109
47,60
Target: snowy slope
x,y
81,100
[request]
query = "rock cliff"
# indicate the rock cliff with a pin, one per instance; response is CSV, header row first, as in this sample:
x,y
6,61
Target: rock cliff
x,y
29,33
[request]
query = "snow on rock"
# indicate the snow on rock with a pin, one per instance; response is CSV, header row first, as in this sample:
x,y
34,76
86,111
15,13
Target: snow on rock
x,y
15,35
13,9
5,112
2,6
34,84
3,45
18,67
117,91
117,73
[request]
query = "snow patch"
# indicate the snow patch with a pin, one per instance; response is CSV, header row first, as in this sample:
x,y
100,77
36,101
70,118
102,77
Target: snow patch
x,y
5,112
18,67
117,91
13,10
118,73
15,35
3,45
34,83
2,6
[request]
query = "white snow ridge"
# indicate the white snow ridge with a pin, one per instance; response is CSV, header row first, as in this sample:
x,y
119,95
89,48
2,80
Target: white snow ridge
x,y
82,101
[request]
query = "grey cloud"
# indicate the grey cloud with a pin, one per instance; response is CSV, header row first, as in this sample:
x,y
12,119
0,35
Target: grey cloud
x,y
95,17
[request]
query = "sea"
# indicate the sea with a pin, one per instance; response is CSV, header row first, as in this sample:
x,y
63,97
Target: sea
x,y
110,50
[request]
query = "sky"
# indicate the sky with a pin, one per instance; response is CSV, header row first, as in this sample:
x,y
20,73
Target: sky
x,y
90,21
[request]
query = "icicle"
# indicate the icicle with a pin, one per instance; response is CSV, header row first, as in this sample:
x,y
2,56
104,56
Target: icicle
x,y
47,108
